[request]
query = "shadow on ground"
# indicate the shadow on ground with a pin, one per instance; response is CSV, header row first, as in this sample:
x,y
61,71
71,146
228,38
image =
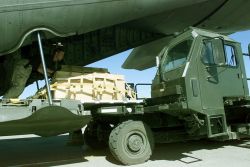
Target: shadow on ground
x,y
182,150
39,152
54,151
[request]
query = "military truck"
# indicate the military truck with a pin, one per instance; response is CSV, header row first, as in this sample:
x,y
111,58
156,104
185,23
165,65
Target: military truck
x,y
200,91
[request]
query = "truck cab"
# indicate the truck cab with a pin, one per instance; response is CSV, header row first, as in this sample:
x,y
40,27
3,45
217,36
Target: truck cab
x,y
202,73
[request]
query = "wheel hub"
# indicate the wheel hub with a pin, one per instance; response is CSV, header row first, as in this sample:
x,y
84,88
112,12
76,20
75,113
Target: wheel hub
x,y
135,143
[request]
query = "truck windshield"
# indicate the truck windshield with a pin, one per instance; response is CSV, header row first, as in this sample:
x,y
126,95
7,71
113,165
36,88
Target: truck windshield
x,y
177,55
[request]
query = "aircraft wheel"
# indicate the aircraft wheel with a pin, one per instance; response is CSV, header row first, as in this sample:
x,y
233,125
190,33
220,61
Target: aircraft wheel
x,y
131,142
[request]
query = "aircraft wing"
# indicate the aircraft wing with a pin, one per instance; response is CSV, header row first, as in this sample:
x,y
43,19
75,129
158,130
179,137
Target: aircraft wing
x,y
92,30
225,17
145,54
64,18
95,29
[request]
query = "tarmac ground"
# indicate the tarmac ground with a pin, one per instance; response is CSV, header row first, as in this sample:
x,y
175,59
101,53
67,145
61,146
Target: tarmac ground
x,y
53,151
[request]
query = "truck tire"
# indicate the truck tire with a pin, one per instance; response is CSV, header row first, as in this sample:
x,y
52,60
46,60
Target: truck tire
x,y
131,142
94,135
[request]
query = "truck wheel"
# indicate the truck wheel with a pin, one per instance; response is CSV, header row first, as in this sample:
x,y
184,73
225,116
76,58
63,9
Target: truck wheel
x,y
96,135
131,142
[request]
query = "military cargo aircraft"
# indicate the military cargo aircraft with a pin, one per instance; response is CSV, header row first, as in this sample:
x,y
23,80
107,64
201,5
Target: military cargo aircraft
x,y
92,30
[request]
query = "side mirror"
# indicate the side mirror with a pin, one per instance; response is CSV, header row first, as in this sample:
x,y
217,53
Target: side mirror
x,y
157,61
218,51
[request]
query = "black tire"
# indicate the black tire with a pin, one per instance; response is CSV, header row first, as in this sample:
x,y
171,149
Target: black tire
x,y
131,142
76,138
91,137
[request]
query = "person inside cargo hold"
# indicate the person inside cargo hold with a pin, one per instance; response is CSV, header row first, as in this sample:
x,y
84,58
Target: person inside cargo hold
x,y
27,66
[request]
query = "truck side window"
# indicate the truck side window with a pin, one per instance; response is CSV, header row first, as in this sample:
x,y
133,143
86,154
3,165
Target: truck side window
x,y
177,56
230,55
207,53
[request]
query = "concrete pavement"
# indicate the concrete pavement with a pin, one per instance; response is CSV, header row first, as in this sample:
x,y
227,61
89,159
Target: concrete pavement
x,y
35,151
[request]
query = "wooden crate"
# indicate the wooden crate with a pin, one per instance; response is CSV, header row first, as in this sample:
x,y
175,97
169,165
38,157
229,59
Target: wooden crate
x,y
90,87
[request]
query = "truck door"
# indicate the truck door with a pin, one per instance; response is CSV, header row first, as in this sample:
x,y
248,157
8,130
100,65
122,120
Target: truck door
x,y
220,74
